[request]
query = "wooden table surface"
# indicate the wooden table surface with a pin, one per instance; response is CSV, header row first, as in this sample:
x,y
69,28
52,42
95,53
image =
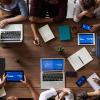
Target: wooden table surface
x,y
29,56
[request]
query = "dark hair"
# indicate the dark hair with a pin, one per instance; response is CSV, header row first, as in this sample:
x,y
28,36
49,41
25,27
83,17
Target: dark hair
x,y
6,1
87,4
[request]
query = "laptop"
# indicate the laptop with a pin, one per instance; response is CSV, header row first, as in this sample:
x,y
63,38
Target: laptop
x,y
86,38
12,33
52,73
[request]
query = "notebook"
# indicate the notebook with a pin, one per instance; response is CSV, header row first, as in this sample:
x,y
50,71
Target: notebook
x,y
52,73
46,33
80,59
64,32
91,81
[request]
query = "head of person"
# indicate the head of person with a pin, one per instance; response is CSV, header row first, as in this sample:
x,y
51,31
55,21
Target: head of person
x,y
88,4
12,98
52,1
5,2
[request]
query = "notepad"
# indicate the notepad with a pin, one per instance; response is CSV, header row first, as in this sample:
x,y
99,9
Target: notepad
x,y
80,59
2,91
46,33
91,81
64,32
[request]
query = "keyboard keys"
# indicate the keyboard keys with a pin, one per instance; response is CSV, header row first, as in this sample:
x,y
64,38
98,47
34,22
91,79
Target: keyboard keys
x,y
52,77
10,35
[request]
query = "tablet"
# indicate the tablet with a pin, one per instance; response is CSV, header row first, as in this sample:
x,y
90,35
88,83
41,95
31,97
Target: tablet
x,y
14,76
86,38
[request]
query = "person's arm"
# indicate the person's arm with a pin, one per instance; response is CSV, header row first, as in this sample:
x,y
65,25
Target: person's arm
x,y
36,39
40,20
95,27
2,81
6,21
95,93
29,85
24,14
48,94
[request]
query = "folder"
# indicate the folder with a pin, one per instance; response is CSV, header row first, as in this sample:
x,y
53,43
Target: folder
x,y
64,32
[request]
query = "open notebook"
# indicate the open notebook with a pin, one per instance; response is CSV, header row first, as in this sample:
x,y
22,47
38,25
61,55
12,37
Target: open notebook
x,y
91,81
80,59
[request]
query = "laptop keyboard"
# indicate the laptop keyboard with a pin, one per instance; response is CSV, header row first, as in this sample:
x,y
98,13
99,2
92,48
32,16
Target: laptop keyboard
x,y
52,77
11,35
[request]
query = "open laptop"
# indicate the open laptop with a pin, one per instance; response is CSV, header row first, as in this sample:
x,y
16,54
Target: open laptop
x,y
12,33
52,73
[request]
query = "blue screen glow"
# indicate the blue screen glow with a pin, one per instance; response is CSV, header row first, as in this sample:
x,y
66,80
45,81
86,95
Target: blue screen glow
x,y
14,76
86,39
52,64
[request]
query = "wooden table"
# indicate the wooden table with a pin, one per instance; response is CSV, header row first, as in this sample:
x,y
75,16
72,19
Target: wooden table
x,y
29,56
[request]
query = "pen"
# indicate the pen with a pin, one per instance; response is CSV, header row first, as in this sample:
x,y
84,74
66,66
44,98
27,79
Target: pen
x,y
80,59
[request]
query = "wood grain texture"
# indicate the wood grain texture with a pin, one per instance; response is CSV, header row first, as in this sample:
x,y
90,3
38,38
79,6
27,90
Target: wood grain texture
x,y
29,56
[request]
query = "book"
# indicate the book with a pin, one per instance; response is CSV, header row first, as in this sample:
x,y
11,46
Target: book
x,y
46,33
80,59
64,32
91,81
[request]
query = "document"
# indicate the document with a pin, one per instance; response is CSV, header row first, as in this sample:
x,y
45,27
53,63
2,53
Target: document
x,y
80,59
46,33
91,81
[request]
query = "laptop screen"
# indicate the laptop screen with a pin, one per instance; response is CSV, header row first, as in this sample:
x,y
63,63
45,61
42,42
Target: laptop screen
x,y
52,64
86,38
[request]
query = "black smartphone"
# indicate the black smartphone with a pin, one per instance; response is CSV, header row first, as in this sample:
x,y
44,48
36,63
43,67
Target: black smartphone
x,y
81,81
71,74
86,27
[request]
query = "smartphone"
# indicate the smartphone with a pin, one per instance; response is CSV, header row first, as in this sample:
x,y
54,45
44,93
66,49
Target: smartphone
x,y
86,27
71,74
81,81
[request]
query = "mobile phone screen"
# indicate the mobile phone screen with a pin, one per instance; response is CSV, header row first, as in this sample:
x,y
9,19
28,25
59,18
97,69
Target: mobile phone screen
x,y
86,27
81,81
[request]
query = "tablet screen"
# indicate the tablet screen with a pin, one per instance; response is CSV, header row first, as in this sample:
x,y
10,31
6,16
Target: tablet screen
x,y
14,76
86,39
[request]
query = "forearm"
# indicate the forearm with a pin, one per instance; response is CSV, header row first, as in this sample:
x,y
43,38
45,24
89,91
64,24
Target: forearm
x,y
81,15
16,19
33,93
33,27
40,20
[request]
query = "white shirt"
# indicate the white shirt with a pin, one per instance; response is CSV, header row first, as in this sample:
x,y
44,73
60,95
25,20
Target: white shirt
x,y
79,9
52,92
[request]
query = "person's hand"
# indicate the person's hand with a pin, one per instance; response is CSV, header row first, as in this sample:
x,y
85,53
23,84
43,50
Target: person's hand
x,y
94,28
4,78
97,92
36,41
25,81
3,23
97,80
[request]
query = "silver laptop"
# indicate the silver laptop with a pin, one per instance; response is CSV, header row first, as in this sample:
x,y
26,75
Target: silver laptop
x,y
52,73
11,34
